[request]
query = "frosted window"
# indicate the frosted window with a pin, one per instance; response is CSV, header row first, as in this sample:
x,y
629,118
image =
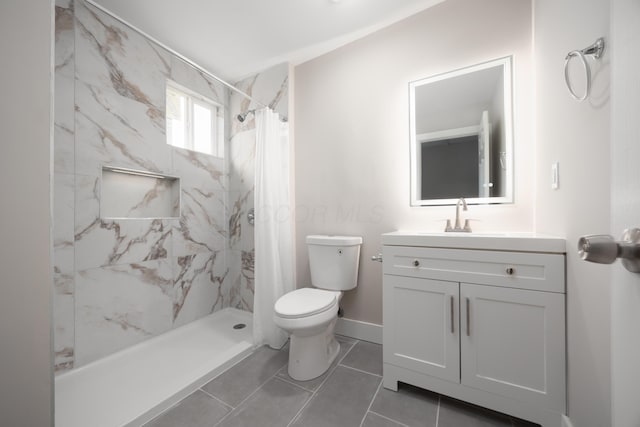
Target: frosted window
x,y
194,122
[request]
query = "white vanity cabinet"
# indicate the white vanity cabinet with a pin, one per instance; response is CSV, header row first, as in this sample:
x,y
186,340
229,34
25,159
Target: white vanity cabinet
x,y
483,326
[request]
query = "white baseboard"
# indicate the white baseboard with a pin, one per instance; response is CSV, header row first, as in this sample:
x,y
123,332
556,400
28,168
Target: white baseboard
x,y
566,422
359,330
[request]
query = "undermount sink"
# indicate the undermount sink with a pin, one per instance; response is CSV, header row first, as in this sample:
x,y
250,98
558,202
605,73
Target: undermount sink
x,y
508,241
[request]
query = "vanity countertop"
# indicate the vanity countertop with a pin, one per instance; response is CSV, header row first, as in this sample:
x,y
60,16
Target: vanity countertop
x,y
521,242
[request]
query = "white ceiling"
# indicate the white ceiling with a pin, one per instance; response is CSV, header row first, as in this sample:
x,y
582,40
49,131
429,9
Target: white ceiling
x,y
235,38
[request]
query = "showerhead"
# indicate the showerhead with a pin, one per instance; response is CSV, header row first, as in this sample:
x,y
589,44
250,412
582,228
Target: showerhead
x,y
243,116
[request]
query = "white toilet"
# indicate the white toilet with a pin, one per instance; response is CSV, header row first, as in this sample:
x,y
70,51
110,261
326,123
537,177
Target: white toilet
x,y
310,314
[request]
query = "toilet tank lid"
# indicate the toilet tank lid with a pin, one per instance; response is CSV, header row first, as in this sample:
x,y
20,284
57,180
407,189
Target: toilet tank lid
x,y
334,240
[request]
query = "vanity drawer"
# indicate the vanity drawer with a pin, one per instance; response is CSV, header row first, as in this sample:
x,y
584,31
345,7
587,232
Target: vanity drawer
x,y
522,270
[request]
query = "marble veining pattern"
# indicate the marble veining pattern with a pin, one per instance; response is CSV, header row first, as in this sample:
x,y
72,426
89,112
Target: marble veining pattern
x,y
269,87
130,196
242,287
121,281
222,284
63,192
104,48
242,155
197,169
64,51
115,242
197,286
119,101
242,203
207,208
202,226
198,81
64,330
115,131
64,127
121,305
63,232
247,271
63,271
100,242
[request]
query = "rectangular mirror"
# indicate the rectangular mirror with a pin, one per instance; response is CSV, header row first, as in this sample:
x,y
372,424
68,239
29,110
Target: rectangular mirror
x,y
462,136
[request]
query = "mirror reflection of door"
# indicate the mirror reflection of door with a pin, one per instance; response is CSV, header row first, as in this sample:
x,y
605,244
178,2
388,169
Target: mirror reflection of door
x,y
484,156
449,163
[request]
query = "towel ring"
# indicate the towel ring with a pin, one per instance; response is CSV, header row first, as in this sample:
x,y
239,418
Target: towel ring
x,y
594,50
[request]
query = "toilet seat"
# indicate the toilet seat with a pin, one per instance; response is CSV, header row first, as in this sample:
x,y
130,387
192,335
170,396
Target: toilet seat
x,y
305,302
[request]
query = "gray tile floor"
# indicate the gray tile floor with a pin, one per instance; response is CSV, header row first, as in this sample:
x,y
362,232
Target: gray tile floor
x,y
259,392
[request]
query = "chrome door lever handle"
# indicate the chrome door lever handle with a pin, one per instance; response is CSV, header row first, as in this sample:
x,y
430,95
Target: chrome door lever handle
x,y
603,249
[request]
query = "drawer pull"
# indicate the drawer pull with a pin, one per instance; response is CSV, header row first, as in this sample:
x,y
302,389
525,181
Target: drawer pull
x,y
510,270
453,331
416,263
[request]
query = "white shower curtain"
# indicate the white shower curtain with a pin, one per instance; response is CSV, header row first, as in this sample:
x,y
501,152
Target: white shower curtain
x,y
273,226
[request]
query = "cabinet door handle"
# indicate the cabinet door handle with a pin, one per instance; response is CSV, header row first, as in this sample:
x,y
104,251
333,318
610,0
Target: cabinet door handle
x,y
453,331
468,321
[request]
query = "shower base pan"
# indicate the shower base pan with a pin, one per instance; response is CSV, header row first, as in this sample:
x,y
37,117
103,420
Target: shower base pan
x,y
133,386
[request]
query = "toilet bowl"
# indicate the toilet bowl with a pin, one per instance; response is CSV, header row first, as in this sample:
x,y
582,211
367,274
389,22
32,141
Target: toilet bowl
x,y
309,315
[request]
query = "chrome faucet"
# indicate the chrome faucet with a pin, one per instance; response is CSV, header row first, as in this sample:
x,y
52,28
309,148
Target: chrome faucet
x,y
457,227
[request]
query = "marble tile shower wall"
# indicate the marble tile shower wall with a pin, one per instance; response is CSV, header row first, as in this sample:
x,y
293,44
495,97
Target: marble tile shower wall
x,y
270,87
119,282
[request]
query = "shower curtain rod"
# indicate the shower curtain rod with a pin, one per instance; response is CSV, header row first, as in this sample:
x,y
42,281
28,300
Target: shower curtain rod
x,y
179,55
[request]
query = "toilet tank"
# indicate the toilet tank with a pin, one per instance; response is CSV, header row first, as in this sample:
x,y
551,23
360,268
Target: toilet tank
x,y
333,261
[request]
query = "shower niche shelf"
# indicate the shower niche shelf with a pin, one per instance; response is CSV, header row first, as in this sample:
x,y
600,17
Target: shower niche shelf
x,y
135,194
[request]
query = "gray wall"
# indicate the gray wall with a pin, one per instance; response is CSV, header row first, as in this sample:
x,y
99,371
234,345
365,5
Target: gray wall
x,y
26,380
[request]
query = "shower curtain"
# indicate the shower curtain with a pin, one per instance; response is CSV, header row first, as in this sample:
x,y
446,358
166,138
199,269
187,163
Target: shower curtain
x,y
273,226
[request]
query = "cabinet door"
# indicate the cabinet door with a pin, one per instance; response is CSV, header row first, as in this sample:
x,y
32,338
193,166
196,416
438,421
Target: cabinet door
x,y
421,322
514,343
